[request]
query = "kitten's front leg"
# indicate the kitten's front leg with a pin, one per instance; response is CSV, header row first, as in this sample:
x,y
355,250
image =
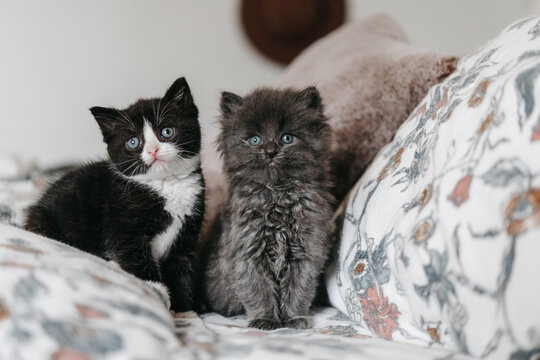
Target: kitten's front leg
x,y
298,293
218,293
257,292
178,267
134,256
178,276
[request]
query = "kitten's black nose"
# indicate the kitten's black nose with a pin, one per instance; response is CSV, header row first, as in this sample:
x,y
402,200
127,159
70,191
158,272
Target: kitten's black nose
x,y
270,149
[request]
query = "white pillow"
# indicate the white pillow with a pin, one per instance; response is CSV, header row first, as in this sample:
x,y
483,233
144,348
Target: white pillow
x,y
57,302
441,236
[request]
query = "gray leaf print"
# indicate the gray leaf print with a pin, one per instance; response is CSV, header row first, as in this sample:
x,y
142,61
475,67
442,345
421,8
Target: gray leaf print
x,y
19,242
525,87
518,25
7,215
338,269
486,234
506,271
137,310
28,288
529,54
437,97
446,114
437,284
458,318
506,171
83,338
525,355
20,335
487,57
382,272
535,31
493,343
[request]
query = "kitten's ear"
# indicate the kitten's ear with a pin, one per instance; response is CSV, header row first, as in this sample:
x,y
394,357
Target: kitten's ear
x,y
229,103
179,92
310,98
107,118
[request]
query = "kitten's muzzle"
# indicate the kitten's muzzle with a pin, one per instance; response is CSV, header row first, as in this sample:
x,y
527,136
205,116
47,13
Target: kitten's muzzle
x,y
270,150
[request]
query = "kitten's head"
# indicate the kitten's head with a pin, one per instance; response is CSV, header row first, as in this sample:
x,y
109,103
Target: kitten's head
x,y
274,135
153,138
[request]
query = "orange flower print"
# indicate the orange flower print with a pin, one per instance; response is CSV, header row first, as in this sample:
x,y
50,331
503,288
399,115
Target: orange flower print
x,y
479,94
23,248
17,265
380,316
423,231
4,313
461,191
360,267
434,333
426,196
89,312
535,136
418,112
523,212
392,163
485,123
65,353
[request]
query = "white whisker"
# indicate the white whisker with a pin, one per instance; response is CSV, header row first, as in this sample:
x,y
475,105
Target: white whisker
x,y
162,113
127,119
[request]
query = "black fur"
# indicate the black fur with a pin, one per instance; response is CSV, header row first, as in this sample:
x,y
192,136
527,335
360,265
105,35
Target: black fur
x,y
268,246
103,208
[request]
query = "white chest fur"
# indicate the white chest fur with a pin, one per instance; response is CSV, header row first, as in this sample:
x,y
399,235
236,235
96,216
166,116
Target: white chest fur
x,y
180,195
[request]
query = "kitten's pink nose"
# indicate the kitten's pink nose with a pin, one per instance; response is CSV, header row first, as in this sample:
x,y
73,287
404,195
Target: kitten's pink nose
x,y
153,152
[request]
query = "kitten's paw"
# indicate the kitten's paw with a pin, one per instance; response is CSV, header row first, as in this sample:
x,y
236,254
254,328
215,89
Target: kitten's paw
x,y
114,264
162,290
265,324
300,322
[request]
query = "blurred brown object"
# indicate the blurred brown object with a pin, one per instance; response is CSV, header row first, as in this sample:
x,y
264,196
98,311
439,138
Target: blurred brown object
x,y
281,29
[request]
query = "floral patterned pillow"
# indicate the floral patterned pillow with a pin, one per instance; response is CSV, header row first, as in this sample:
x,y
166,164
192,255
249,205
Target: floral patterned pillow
x,y
441,236
57,302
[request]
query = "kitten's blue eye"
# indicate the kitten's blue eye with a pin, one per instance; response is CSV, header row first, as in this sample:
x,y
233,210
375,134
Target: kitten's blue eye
x,y
133,143
167,132
287,138
255,140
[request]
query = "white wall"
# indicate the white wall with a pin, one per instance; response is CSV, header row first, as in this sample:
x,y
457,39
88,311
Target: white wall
x,y
60,57
455,26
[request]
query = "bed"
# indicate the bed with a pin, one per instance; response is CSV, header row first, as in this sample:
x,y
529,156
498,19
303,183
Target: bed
x,y
57,302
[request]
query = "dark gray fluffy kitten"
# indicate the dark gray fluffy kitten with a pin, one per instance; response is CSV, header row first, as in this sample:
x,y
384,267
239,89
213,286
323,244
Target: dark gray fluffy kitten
x,y
270,243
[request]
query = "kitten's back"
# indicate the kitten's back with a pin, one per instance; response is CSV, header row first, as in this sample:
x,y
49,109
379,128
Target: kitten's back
x,y
69,209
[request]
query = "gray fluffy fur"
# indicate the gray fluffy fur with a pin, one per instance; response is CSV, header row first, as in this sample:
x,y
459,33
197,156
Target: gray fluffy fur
x,y
271,240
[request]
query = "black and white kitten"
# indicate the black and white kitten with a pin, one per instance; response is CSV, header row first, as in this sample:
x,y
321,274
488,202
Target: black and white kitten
x,y
271,240
142,209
